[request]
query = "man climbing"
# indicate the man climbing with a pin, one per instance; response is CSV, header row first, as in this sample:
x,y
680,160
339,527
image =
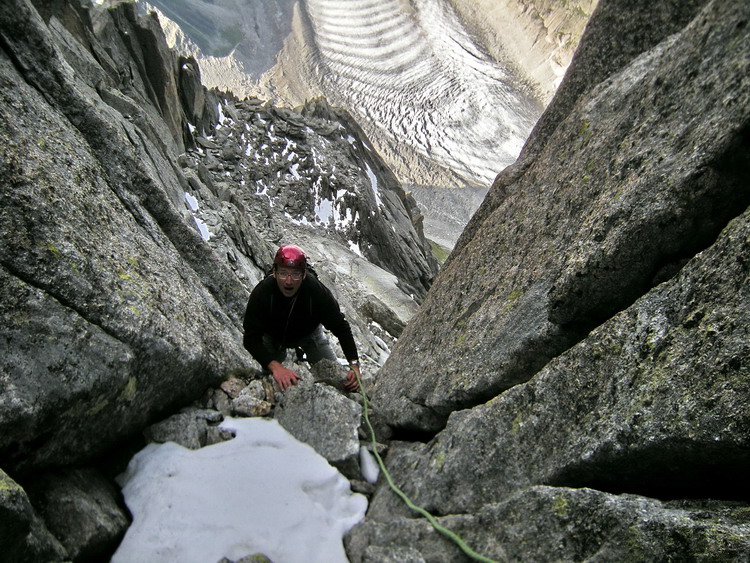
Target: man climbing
x,y
288,309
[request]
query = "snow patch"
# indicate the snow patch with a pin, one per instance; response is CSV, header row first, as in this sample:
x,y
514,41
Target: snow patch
x,y
374,184
202,228
262,492
191,201
222,118
370,469
192,204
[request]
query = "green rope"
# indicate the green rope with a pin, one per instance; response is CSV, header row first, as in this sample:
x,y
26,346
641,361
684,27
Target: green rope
x,y
432,520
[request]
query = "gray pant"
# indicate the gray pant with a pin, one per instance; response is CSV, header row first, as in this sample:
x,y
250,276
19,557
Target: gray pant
x,y
315,345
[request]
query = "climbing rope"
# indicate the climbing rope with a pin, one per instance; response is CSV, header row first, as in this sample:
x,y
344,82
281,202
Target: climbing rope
x,y
430,518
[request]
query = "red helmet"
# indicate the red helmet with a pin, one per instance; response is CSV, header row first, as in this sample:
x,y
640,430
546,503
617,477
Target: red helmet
x,y
290,256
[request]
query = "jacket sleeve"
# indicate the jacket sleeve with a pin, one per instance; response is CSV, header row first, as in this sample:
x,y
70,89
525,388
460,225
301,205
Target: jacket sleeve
x,y
254,324
335,321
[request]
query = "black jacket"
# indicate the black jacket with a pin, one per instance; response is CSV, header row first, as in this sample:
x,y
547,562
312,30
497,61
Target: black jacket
x,y
288,319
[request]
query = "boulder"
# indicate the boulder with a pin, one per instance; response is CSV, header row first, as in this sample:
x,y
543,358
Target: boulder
x,y
104,280
641,175
380,313
321,416
192,93
331,373
192,428
253,400
543,523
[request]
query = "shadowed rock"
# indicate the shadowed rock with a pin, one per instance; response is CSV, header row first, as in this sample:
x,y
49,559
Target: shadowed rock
x,y
81,507
119,305
23,533
590,331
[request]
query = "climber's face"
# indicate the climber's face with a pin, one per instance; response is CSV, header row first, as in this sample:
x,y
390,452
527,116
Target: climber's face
x,y
289,280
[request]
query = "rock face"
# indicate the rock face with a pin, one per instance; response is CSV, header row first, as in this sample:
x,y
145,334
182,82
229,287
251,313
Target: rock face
x,y
24,535
80,507
589,335
584,348
113,308
660,389
323,417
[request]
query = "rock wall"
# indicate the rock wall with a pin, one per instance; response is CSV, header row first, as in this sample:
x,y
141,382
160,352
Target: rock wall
x,y
113,308
630,185
590,329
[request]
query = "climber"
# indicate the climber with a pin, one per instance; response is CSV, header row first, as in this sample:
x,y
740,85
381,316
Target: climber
x,y
288,309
